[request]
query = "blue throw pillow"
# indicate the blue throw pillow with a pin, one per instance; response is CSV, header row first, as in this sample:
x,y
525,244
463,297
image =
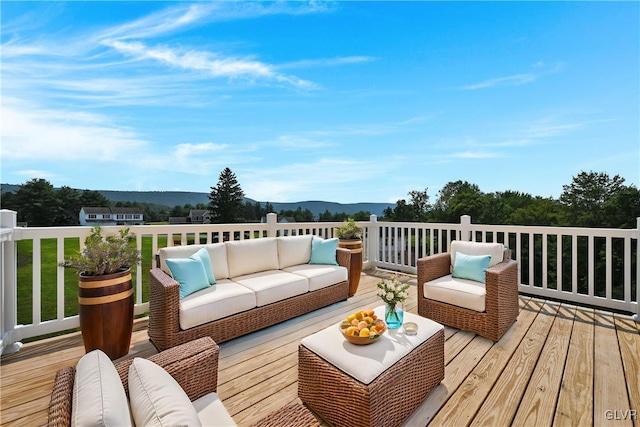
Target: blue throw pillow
x,y
323,251
471,267
190,273
203,256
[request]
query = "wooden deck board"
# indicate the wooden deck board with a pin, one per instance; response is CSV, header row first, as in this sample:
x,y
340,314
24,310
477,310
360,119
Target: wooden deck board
x,y
544,370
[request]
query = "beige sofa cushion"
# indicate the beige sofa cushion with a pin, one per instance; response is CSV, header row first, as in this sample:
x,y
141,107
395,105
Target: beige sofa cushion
x,y
459,292
274,285
156,397
252,256
294,250
98,395
496,250
212,412
320,275
213,303
217,253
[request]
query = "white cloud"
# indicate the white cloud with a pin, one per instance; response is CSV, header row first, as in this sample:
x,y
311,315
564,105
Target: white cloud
x,y
515,80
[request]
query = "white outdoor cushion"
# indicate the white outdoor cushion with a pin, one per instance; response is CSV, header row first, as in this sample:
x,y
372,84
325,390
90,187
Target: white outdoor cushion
x,y
217,253
294,250
274,285
215,302
252,256
366,362
459,292
320,275
156,397
212,412
98,394
496,250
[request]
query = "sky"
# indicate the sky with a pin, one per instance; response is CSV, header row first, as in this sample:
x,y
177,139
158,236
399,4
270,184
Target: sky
x,y
338,101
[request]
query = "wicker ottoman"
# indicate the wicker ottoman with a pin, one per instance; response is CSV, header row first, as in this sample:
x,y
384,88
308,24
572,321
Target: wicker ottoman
x,y
379,384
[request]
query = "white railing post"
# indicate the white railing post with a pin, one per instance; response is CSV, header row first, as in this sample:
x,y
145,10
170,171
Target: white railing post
x,y
9,278
465,228
636,316
272,223
373,240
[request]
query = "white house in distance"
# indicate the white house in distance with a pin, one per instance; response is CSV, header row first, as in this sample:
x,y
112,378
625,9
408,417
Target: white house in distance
x,y
101,216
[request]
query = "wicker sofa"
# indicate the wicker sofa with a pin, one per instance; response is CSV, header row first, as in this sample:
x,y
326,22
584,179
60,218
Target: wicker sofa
x,y
259,282
488,308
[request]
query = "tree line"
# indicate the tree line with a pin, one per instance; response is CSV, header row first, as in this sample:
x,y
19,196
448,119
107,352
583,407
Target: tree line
x,y
592,199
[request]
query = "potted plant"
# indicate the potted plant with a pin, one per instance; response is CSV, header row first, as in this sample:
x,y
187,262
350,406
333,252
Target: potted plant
x,y
350,237
105,291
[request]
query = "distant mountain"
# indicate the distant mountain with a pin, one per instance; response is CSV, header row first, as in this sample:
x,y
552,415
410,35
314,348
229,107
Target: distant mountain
x,y
181,198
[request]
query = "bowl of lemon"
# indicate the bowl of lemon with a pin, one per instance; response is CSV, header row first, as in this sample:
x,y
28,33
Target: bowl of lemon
x,y
362,327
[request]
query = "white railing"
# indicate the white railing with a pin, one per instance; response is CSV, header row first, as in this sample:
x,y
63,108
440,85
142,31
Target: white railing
x,y
590,266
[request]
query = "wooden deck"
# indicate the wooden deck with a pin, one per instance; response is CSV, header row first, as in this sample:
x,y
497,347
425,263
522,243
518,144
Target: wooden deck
x,y
557,365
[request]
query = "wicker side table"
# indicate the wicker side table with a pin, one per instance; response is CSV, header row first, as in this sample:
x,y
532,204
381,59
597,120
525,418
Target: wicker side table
x,y
387,400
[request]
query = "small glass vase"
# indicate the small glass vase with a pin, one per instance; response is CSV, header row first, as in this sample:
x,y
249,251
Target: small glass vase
x,y
393,315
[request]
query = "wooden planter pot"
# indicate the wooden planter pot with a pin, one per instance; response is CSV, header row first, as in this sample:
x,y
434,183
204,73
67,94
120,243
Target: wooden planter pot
x,y
355,246
106,312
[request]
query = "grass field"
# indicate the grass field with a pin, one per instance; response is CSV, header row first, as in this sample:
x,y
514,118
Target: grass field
x,y
49,271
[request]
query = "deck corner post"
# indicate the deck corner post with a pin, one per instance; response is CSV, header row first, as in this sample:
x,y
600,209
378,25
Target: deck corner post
x,y
8,282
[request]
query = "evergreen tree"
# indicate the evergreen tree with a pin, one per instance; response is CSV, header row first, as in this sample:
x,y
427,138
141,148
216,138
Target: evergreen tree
x,y
226,199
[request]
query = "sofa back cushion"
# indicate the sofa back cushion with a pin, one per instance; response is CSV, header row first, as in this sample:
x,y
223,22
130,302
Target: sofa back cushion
x,y
156,397
98,395
294,250
496,250
252,256
217,254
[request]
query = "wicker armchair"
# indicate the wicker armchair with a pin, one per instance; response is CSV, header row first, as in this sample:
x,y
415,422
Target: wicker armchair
x,y
500,293
193,365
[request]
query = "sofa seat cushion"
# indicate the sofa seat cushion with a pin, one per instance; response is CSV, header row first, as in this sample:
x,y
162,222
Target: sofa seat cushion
x,y
252,256
212,412
274,285
217,255
459,292
294,250
319,275
224,299
98,395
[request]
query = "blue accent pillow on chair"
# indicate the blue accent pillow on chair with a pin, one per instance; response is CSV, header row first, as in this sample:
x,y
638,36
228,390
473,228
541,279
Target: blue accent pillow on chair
x,y
471,267
323,251
189,273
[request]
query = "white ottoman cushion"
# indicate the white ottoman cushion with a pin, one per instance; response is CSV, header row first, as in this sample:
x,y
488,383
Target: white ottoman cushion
x,y
275,285
459,292
98,394
366,362
215,302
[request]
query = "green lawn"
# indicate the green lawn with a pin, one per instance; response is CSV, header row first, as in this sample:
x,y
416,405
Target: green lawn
x,y
48,272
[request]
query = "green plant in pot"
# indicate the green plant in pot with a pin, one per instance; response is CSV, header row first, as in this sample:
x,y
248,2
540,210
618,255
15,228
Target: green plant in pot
x,y
105,291
350,237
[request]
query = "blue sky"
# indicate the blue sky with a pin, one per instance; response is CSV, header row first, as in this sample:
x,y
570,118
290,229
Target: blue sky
x,y
340,101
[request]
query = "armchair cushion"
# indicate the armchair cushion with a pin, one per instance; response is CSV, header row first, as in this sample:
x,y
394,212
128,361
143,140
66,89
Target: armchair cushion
x,y
496,250
211,411
156,397
471,267
458,292
98,395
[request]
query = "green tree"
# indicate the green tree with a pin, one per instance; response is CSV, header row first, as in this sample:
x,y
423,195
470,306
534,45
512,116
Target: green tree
x,y
92,198
420,204
585,198
69,202
226,199
36,203
459,198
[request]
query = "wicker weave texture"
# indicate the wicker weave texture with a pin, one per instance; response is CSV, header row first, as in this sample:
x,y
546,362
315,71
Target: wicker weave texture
x,y
291,415
164,302
386,401
501,299
193,365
